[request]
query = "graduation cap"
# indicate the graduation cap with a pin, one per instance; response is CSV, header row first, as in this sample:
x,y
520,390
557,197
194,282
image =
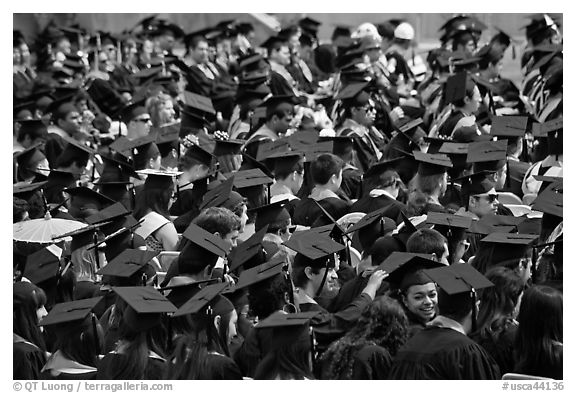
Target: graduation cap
x,y
550,201
539,23
279,103
480,227
455,88
127,263
281,320
273,215
158,179
27,158
84,195
541,130
245,251
202,299
145,306
75,311
380,167
43,265
313,251
221,195
260,273
117,168
404,268
510,239
309,25
448,220
228,146
459,278
478,183
206,240
249,178
25,190
507,248
509,126
200,103
387,225
272,41
354,94
487,151
432,164
75,150
200,155
109,213
285,162
311,152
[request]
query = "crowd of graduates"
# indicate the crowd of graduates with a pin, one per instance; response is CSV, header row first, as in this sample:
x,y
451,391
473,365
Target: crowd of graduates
x,y
202,206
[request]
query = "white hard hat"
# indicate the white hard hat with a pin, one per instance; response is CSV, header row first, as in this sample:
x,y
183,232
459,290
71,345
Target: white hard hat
x,y
365,30
404,31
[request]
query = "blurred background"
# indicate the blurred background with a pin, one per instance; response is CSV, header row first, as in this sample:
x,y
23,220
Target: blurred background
x,y
426,25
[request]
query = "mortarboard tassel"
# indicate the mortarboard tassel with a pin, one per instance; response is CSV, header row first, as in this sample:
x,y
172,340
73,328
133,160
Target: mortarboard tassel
x,y
96,339
319,291
96,255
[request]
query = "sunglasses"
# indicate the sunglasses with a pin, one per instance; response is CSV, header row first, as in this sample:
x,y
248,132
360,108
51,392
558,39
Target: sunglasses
x,y
490,197
146,120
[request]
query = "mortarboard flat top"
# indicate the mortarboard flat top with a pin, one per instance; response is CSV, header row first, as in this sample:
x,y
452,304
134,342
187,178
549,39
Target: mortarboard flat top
x,y
541,130
510,239
448,220
259,273
29,156
477,183
158,179
399,263
458,278
218,195
485,151
482,228
550,200
431,164
351,90
118,163
166,134
23,188
197,153
77,146
249,178
127,263
455,88
89,194
311,152
368,219
229,146
246,250
407,124
496,220
454,148
313,247
201,103
269,148
42,265
382,166
201,299
512,126
74,311
208,241
271,213
109,213
279,320
145,300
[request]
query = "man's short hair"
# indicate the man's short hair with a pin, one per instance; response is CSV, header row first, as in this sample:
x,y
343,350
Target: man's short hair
x,y
218,219
324,167
426,241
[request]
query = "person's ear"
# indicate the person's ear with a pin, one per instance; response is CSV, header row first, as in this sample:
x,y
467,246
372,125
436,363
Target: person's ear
x,y
217,319
471,202
308,272
208,271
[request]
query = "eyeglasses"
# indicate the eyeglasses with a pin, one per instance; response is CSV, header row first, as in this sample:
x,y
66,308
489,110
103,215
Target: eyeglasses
x,y
146,120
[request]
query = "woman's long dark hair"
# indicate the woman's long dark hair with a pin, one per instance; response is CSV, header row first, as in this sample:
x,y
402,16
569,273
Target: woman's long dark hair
x,y
383,323
27,299
189,359
154,199
540,330
287,361
136,346
79,343
497,303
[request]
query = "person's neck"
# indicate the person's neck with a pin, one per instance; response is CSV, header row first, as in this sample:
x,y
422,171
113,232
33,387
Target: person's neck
x,y
281,187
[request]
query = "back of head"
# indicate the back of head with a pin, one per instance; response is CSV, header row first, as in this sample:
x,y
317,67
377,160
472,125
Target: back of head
x,y
541,314
426,241
218,220
324,167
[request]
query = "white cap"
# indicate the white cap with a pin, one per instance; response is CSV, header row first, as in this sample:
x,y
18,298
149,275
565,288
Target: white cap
x,y
404,31
365,30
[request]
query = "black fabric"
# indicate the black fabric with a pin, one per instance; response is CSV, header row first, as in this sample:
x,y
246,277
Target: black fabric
x,y
28,360
307,213
443,353
110,366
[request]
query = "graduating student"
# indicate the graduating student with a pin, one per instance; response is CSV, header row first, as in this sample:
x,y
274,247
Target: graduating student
x,y
431,180
29,350
139,353
78,340
202,352
433,352
326,173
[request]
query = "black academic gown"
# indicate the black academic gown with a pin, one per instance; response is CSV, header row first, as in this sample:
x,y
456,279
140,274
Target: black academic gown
x,y
351,181
443,353
500,345
368,204
27,359
516,172
447,127
307,213
59,367
221,367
